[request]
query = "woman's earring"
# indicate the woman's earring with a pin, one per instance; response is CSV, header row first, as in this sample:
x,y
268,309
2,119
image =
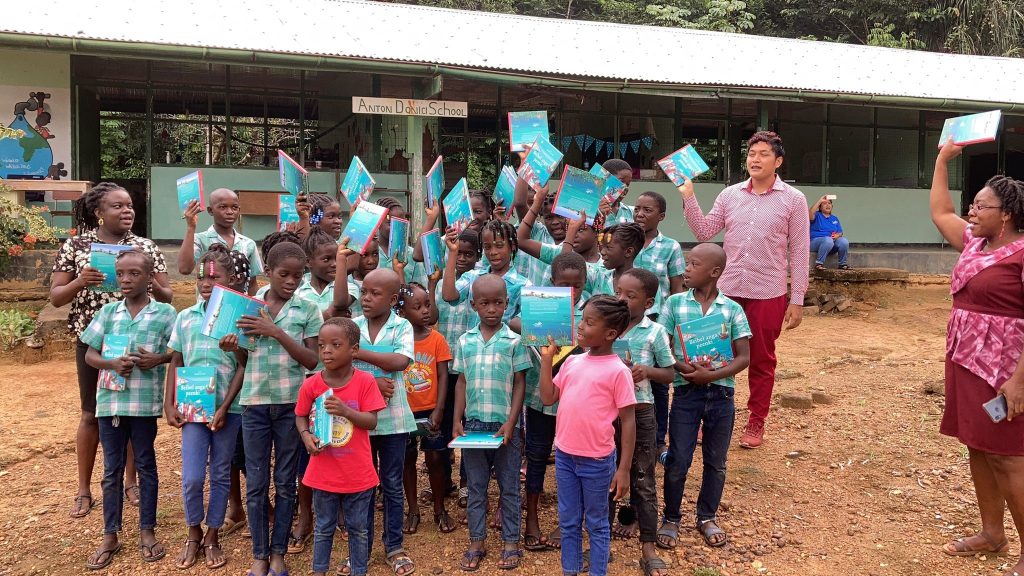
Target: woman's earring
x,y
1002,231
100,222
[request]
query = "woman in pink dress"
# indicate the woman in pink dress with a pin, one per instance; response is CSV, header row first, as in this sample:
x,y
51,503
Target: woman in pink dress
x,y
984,341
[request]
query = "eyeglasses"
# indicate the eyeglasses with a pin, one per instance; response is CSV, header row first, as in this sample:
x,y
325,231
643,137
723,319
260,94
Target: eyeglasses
x,y
979,207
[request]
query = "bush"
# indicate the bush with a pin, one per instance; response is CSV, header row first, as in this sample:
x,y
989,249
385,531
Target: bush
x,y
15,325
22,227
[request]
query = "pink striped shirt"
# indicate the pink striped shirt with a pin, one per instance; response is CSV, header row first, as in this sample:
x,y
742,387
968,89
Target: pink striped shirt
x,y
762,232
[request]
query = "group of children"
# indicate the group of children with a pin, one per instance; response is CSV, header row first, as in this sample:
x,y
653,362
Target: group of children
x,y
415,361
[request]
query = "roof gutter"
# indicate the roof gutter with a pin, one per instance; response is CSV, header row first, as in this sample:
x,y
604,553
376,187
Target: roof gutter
x,y
91,47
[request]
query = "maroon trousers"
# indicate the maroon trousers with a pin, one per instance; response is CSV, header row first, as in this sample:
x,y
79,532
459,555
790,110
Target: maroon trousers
x,y
765,318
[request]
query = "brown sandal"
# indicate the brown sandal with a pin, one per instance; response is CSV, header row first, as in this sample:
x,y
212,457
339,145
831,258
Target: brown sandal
x,y
959,547
80,511
184,560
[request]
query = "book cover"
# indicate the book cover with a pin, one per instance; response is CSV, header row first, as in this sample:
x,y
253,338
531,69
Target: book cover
x,y
578,192
195,392
114,346
547,311
286,211
422,427
525,128
321,423
457,211
540,163
374,370
398,240
223,310
435,182
614,189
358,184
190,187
363,225
433,251
683,163
477,440
294,178
505,189
621,349
706,341
971,129
103,257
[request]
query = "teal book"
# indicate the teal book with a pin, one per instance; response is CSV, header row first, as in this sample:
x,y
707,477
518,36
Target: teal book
x,y
223,310
363,225
505,189
433,251
374,371
435,182
683,163
621,349
540,163
190,187
398,240
614,189
578,192
457,211
114,346
485,440
321,423
286,211
103,257
358,184
195,392
971,129
294,178
706,341
547,311
525,128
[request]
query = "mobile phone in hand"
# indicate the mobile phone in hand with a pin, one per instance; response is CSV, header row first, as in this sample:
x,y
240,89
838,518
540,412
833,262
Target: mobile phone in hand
x,y
996,408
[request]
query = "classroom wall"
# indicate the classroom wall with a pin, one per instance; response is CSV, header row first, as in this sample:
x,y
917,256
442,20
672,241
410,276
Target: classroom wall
x,y
32,154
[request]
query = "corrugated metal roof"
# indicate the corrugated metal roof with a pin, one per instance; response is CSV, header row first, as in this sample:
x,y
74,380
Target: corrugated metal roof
x,y
550,47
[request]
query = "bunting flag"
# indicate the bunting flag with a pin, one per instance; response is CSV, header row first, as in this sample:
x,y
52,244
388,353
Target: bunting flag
x,y
622,148
579,141
588,143
598,146
610,146
648,142
635,145
566,142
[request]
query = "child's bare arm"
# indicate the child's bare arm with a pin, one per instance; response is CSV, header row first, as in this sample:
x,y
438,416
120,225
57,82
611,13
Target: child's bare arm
x,y
655,374
387,361
548,393
448,290
359,419
460,407
620,482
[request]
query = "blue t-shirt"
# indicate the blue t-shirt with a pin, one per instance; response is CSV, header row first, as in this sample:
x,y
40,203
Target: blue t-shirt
x,y
823,226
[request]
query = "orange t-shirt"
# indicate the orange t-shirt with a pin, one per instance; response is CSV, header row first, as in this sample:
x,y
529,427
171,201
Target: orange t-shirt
x,y
421,375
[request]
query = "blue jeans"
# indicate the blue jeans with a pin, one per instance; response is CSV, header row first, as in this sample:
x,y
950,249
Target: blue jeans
x,y
201,447
540,436
356,508
140,432
389,458
505,461
713,405
264,428
583,495
825,246
660,412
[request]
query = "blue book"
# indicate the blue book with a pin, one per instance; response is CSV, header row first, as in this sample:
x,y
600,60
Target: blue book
x,y
540,164
547,311
294,178
505,189
195,392
190,187
114,346
971,129
358,184
706,341
614,189
103,257
363,225
485,440
375,371
433,251
321,423
524,128
457,211
622,350
398,240
683,163
286,211
223,310
435,182
579,192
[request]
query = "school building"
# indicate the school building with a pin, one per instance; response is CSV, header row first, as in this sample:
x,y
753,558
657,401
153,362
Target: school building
x,y
144,93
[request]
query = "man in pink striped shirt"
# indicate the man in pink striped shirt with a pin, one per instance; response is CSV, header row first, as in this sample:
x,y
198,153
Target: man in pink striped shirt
x,y
767,240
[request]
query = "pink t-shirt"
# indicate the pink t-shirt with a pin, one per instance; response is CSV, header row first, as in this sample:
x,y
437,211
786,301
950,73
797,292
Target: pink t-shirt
x,y
592,389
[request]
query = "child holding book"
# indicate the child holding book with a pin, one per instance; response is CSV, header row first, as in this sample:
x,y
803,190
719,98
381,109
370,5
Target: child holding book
x,y
386,348
620,243
618,212
413,273
702,395
130,414
544,227
340,471
223,206
322,211
498,244
365,264
592,390
285,350
205,445
491,361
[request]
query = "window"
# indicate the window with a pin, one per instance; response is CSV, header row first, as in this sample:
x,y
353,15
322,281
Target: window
x,y
849,155
896,158
803,143
856,115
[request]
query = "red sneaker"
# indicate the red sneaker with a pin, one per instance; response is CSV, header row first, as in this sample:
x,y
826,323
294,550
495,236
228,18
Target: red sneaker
x,y
753,435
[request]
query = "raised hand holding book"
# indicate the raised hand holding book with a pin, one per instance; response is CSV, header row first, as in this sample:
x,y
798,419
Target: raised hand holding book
x,y
540,163
286,211
398,240
435,182
971,129
547,311
190,187
363,225
433,251
524,128
294,177
578,193
358,184
457,210
682,164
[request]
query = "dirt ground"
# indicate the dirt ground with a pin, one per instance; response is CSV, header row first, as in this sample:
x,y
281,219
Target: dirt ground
x,y
863,486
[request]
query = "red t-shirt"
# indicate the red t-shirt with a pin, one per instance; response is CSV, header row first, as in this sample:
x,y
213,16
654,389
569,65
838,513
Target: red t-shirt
x,y
421,375
345,467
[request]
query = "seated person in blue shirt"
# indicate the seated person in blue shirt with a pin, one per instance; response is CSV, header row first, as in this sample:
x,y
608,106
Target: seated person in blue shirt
x,y
827,234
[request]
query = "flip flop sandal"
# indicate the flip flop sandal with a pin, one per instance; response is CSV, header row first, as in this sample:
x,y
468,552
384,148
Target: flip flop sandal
x,y
471,560
669,530
652,565
345,568
297,544
708,529
78,511
819,267
153,556
104,559
223,559
230,526
400,563
189,562
444,522
412,523
533,543
555,539
959,547
132,494
510,559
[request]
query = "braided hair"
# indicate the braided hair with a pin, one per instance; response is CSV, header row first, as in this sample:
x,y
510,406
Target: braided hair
x,y
318,203
233,261
275,238
1011,195
405,292
500,230
613,311
487,198
220,254
147,260
315,240
626,235
389,203
84,210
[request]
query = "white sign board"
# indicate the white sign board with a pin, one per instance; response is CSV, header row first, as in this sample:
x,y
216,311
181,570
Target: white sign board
x,y
409,107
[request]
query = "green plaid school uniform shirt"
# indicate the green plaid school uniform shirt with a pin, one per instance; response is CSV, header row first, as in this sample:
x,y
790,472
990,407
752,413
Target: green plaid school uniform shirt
x,y
533,374
621,216
533,269
143,395
489,368
454,320
272,376
322,300
664,258
649,345
682,308
243,244
599,278
395,336
355,290
514,283
198,349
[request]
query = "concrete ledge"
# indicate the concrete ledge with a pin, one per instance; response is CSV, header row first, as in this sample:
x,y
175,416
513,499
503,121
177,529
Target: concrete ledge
x,y
861,275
